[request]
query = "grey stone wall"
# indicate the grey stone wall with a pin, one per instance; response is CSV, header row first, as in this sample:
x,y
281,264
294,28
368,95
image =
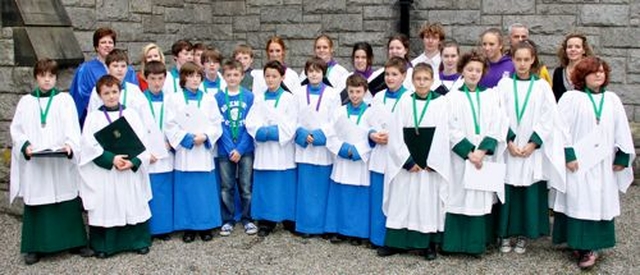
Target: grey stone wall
x,y
611,25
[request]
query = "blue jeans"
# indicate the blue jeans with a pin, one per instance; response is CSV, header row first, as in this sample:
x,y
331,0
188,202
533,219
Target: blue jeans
x,y
228,172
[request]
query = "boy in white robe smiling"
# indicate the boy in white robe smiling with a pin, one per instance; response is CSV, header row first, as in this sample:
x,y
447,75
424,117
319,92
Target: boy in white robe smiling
x,y
115,189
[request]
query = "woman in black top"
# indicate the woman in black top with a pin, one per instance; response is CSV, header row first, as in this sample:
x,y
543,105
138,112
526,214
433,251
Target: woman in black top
x,y
573,49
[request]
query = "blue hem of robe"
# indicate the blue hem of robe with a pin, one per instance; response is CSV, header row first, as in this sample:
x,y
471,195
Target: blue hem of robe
x,y
378,219
311,203
273,196
196,201
161,204
348,210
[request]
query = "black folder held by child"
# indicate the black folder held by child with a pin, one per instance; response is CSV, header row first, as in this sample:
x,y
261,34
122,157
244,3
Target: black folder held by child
x,y
120,139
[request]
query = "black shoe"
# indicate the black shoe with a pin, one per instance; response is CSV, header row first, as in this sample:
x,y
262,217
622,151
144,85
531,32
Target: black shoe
x,y
84,252
31,258
101,255
430,254
206,236
305,235
188,237
385,251
337,239
289,226
143,251
355,241
263,232
164,237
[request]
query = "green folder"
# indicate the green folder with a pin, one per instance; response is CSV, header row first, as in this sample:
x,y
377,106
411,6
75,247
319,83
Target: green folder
x,y
120,139
419,143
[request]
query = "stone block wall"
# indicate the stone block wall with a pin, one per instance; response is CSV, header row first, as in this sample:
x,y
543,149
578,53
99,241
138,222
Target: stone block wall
x,y
611,25
613,28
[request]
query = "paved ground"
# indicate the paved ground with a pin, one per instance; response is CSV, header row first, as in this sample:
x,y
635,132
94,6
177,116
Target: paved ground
x,y
282,253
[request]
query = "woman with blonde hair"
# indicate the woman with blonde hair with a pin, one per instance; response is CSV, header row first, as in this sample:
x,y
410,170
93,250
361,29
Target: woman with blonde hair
x,y
150,52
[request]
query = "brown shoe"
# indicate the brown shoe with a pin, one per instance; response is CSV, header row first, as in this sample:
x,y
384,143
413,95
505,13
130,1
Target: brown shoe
x,y
588,260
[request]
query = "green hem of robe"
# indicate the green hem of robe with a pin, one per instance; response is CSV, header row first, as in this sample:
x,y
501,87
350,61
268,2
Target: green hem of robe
x,y
53,227
525,211
408,239
583,234
111,240
469,234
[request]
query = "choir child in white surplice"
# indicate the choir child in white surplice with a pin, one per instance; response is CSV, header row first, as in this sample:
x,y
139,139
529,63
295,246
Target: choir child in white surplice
x,y
272,124
477,127
115,187
52,218
533,162
599,151
348,205
317,102
383,106
161,159
192,130
418,169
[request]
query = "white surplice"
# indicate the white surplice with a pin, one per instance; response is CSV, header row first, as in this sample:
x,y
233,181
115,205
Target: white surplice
x,y
416,201
112,197
380,119
310,119
199,158
274,155
44,180
346,129
540,116
493,124
593,195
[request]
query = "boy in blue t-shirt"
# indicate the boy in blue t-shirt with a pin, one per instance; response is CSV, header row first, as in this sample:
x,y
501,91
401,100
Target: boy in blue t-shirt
x,y
235,148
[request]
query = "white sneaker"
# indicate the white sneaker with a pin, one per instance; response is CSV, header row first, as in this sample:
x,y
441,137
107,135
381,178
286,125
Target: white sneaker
x,y
521,245
505,245
226,229
250,228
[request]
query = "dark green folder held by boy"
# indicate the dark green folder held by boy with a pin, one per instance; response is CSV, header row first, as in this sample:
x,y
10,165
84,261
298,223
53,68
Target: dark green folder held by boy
x,y
120,139
418,142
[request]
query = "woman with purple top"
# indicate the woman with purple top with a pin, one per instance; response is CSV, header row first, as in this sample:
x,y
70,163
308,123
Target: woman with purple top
x,y
499,65
448,70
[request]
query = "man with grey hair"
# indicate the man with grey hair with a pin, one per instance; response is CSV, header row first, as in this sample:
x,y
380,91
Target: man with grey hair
x,y
519,32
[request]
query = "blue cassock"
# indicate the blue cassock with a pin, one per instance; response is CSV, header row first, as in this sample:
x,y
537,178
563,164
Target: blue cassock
x,y
85,79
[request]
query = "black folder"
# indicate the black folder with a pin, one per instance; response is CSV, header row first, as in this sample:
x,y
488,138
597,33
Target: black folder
x,y
419,143
48,153
120,139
